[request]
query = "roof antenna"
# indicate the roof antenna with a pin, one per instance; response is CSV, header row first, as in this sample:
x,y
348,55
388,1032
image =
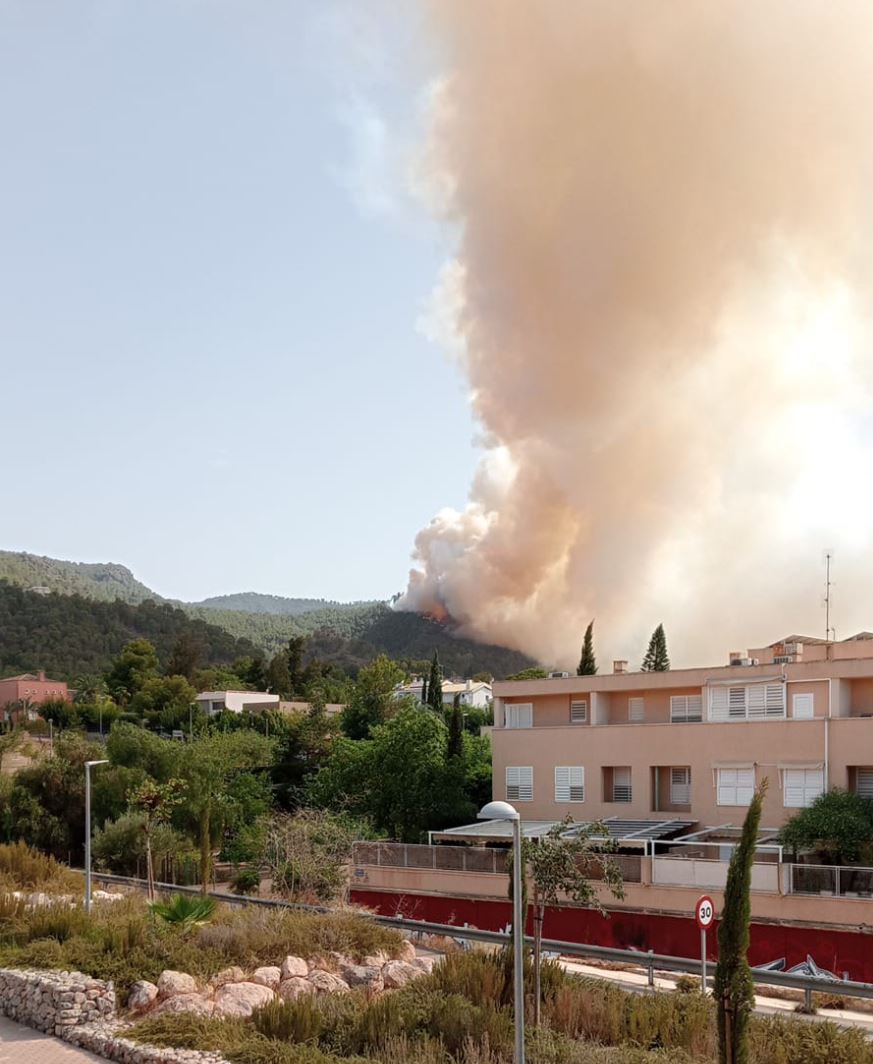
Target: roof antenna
x,y
830,633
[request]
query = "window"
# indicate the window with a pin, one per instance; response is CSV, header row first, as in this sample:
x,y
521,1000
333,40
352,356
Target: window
x,y
519,783
680,786
864,782
756,701
622,791
569,783
636,709
579,711
801,786
803,707
684,708
735,786
519,715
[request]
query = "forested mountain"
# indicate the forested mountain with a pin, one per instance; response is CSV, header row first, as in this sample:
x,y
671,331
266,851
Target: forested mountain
x,y
255,602
66,635
69,635
101,581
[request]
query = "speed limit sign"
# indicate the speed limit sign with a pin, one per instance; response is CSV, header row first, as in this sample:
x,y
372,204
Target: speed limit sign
x,y
704,912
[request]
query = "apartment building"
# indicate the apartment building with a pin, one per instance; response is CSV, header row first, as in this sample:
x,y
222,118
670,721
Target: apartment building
x,y
690,742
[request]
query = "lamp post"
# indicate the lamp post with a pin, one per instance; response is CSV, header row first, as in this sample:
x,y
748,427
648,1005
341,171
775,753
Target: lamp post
x,y
504,811
88,766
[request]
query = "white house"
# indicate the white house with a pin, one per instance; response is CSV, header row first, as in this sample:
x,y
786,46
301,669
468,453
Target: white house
x,y
475,694
212,702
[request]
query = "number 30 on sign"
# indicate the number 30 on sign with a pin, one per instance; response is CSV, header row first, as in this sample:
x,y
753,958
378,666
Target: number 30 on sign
x,y
704,912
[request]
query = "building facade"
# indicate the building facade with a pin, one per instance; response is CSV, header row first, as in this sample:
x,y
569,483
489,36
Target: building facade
x,y
690,742
31,689
213,702
476,694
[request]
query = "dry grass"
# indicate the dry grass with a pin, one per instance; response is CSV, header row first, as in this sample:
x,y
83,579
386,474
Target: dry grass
x,y
22,868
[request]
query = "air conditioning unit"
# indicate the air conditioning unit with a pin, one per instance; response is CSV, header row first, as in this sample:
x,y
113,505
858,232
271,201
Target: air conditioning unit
x,y
736,657
558,675
783,659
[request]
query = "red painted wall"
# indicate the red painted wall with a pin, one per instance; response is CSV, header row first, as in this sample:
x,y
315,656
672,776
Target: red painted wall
x,y
838,951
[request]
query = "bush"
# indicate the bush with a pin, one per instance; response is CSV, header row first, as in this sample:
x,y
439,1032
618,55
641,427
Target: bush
x,y
23,868
248,881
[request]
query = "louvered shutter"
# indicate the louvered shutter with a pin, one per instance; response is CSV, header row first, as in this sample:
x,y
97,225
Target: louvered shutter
x,y
569,783
579,711
519,783
680,786
636,710
864,782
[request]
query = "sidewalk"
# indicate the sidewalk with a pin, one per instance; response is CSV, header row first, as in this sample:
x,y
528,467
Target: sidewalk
x,y
22,1045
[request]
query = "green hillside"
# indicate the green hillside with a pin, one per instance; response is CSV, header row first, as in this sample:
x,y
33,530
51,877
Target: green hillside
x,y
100,581
255,602
69,635
348,634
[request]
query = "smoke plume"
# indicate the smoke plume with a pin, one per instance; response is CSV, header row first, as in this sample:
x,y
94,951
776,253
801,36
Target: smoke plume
x,y
661,300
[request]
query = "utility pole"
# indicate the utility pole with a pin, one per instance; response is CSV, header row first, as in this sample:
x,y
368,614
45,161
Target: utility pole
x,y
828,630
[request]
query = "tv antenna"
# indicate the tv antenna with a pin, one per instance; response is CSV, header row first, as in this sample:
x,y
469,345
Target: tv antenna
x,y
830,633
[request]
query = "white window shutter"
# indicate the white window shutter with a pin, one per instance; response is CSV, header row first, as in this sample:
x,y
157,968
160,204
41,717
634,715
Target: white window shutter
x,y
803,707
636,710
680,786
864,782
519,783
519,715
569,783
579,711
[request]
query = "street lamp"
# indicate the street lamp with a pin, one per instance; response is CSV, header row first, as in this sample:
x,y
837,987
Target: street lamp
x,y
504,811
88,766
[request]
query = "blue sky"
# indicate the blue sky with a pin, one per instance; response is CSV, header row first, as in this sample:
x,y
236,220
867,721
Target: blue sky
x,y
211,270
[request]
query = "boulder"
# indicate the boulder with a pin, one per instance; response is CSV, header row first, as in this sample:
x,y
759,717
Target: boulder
x,y
142,996
326,983
171,983
425,964
241,999
196,1003
377,959
363,975
228,975
406,952
269,976
294,967
291,989
396,974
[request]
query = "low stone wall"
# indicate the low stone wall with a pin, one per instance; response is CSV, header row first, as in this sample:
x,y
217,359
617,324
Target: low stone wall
x,y
54,1001
81,1010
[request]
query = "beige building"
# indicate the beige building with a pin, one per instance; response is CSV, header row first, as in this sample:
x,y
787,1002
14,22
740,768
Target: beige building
x,y
691,742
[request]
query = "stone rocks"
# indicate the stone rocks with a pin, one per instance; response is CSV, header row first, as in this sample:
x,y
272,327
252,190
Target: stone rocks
x,y
424,964
397,974
294,966
269,976
368,975
326,983
142,996
227,975
241,999
171,983
54,1002
199,1004
406,952
291,989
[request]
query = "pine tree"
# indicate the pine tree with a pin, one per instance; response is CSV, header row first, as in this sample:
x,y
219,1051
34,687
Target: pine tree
x,y
435,685
734,988
587,662
455,744
657,659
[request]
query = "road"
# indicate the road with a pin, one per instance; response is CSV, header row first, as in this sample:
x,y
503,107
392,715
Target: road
x,y
21,1045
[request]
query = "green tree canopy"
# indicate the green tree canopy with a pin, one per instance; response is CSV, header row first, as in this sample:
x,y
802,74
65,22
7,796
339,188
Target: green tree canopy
x,y
838,826
657,659
435,685
137,663
587,662
373,699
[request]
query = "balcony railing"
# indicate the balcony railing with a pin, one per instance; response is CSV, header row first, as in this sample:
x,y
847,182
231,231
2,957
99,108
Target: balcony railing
x,y
829,880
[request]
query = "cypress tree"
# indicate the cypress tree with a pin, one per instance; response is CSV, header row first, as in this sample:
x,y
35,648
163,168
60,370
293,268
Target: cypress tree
x,y
657,659
587,662
435,685
455,745
734,988
423,698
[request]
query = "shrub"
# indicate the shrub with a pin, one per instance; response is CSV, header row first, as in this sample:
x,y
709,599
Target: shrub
x,y
23,868
248,881
185,911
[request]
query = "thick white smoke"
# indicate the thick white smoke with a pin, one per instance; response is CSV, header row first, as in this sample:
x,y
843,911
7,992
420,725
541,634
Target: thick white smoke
x,y
662,292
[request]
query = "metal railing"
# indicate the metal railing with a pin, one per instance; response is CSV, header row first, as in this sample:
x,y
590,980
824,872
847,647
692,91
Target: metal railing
x,y
839,881
650,961
464,859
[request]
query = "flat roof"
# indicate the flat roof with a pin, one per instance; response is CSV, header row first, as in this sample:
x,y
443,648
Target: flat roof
x,y
617,828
